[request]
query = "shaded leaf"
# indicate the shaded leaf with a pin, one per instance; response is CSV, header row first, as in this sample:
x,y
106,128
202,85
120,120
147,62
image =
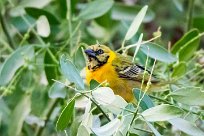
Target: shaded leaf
x,y
93,84
57,91
189,96
36,13
198,23
65,116
14,62
179,70
136,23
70,72
51,72
95,9
146,102
187,127
157,52
161,113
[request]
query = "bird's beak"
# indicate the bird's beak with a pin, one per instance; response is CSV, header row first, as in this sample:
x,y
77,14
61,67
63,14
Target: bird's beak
x,y
90,53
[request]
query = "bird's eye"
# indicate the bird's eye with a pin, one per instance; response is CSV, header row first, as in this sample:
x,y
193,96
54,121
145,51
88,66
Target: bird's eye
x,y
100,51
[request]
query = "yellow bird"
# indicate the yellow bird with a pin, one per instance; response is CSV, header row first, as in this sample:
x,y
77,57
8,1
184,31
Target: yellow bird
x,y
103,64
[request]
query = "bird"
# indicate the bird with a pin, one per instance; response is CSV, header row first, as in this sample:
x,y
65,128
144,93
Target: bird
x,y
121,74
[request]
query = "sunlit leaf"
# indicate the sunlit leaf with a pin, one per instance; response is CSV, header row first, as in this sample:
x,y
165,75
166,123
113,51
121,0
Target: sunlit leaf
x,y
95,9
136,23
161,113
146,102
14,62
43,26
70,72
179,69
57,91
65,116
108,129
103,95
157,52
189,96
187,127
117,105
83,131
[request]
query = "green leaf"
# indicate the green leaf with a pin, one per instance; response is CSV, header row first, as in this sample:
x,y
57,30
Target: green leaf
x,y
95,9
18,116
154,130
189,96
157,52
14,62
146,101
50,72
70,72
187,127
136,23
179,70
108,129
36,13
93,84
185,41
103,95
65,116
198,23
57,91
125,12
82,131
161,113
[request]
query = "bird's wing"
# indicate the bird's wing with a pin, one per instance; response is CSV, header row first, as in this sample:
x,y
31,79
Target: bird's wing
x,y
127,70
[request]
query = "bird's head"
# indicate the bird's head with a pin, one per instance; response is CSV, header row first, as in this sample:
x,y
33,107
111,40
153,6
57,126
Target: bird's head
x,y
97,55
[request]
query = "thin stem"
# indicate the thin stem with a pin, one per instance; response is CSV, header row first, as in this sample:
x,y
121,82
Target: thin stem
x,y
97,106
69,17
190,14
3,24
150,132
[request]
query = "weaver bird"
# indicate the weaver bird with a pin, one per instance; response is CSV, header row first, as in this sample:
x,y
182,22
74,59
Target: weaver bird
x,y
103,64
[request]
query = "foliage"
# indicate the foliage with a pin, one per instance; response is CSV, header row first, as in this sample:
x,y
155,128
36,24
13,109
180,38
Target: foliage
x,y
42,87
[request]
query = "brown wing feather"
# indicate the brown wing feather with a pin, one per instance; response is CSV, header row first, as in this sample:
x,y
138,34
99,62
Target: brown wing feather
x,y
127,70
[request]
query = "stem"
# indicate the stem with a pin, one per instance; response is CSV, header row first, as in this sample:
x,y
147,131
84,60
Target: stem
x,y
3,23
190,14
39,132
144,130
97,106
69,17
